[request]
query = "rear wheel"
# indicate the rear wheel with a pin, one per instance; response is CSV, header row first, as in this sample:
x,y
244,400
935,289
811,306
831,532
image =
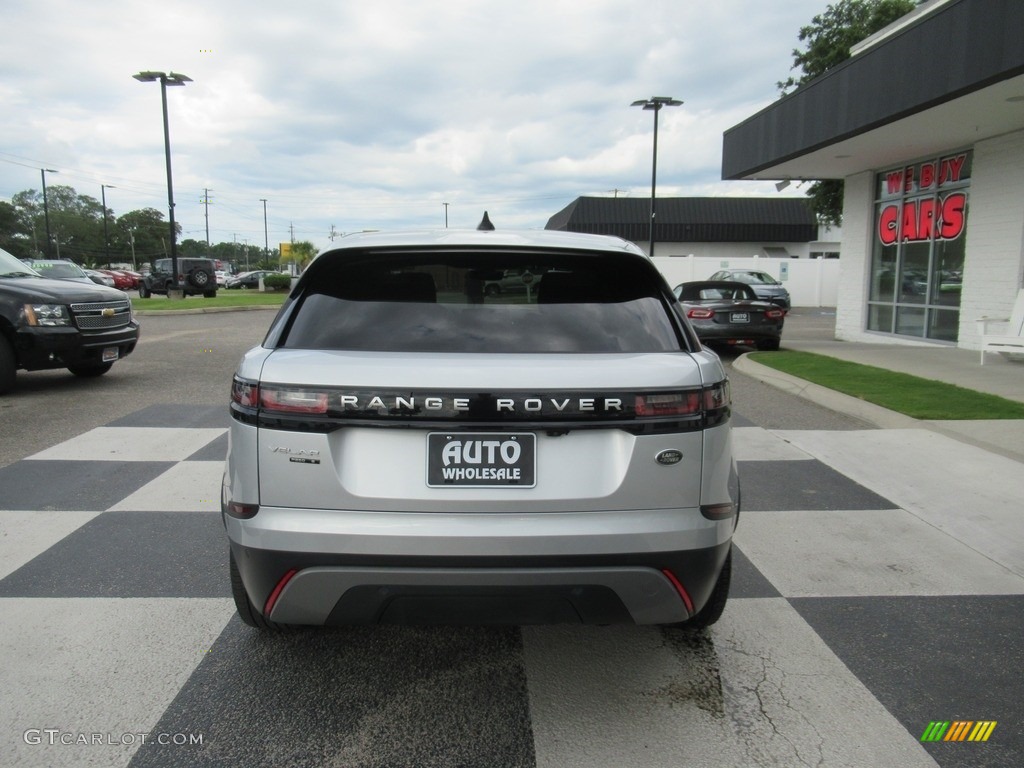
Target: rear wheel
x,y
713,608
247,612
8,366
144,292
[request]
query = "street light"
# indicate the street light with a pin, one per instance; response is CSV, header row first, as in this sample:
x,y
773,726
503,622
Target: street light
x,y
655,103
266,240
106,237
166,79
46,207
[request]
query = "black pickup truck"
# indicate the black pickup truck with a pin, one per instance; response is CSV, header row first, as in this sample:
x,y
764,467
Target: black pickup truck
x,y
59,324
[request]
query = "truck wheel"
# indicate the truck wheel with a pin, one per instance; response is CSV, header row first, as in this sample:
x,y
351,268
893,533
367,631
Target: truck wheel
x,y
8,366
144,292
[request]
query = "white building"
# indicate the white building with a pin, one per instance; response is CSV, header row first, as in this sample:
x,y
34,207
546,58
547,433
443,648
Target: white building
x,y
925,123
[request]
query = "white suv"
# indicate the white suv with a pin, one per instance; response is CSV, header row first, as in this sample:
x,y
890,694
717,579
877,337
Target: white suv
x,y
407,446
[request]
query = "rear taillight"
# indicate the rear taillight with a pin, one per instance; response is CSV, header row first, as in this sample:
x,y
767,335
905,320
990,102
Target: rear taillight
x,y
668,404
700,313
685,403
242,511
774,314
245,393
288,400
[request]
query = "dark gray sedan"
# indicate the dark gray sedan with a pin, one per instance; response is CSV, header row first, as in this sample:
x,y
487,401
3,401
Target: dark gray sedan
x,y
725,312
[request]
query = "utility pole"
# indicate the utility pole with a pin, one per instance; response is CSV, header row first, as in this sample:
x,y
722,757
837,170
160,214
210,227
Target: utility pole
x,y
446,215
266,241
206,204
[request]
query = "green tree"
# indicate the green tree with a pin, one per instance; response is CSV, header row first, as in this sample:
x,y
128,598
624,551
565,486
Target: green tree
x,y
829,37
145,234
15,233
301,254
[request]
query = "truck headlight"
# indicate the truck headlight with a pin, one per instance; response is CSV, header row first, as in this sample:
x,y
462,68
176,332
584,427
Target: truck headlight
x,y
47,315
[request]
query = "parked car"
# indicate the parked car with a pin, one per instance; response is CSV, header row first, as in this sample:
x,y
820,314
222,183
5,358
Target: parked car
x,y
59,269
247,279
122,280
100,278
765,286
405,449
731,313
221,277
195,276
512,281
59,323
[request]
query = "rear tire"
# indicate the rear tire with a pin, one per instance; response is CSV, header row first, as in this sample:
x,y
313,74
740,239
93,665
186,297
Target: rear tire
x,y
713,608
247,612
8,366
144,292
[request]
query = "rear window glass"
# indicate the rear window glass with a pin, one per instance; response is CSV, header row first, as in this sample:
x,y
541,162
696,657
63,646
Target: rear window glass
x,y
482,302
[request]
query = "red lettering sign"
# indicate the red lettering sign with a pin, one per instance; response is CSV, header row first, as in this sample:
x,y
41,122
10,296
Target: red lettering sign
x,y
919,223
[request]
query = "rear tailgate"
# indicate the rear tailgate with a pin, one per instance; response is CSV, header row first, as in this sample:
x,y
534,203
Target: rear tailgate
x,y
562,414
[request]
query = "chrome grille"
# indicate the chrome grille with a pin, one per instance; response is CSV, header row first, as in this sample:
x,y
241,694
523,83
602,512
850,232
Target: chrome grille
x,y
102,315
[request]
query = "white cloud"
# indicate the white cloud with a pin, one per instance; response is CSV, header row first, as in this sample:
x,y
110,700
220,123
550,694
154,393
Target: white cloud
x,y
363,115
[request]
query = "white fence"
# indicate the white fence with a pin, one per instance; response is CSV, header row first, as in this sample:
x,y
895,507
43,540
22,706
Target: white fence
x,y
810,282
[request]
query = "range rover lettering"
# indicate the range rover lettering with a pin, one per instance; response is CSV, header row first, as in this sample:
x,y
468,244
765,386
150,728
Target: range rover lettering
x,y
408,445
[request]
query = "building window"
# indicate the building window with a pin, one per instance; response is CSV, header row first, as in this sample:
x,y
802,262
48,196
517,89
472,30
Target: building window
x,y
917,260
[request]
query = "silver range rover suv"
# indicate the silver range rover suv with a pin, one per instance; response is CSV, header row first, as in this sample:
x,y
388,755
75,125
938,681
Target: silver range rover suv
x,y
409,447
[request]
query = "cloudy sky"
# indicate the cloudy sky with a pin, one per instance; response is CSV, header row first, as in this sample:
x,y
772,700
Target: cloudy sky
x,y
373,115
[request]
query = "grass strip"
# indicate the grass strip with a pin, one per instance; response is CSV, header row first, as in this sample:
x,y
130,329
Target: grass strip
x,y
222,299
910,395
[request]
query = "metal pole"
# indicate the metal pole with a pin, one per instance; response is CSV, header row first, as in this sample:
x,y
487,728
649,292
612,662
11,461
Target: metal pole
x,y
46,210
266,240
106,236
654,178
170,185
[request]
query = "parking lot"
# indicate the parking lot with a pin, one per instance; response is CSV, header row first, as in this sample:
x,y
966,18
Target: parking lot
x,y
858,615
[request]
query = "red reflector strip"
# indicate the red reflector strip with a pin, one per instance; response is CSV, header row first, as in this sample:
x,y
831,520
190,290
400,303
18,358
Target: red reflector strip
x,y
293,400
679,588
272,600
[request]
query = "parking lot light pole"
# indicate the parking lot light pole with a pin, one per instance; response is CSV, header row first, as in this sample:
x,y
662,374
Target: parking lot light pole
x,y
166,79
106,237
655,103
46,207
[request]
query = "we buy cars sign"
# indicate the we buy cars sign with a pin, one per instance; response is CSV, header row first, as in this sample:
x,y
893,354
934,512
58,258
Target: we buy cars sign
x,y
931,216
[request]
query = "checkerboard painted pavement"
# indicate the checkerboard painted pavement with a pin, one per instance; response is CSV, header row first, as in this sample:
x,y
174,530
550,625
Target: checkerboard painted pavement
x,y
878,586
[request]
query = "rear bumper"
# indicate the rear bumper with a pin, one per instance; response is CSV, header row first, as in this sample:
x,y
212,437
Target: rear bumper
x,y
338,589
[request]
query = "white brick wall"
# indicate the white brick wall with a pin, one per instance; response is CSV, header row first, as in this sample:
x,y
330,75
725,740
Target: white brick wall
x,y
994,268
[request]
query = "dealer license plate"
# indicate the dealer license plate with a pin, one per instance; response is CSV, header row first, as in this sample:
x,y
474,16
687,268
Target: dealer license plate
x,y
481,459
740,317
110,354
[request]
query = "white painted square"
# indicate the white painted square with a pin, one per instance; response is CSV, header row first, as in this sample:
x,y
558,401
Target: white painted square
x,y
24,535
866,553
638,697
132,444
974,495
188,486
96,666
759,444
